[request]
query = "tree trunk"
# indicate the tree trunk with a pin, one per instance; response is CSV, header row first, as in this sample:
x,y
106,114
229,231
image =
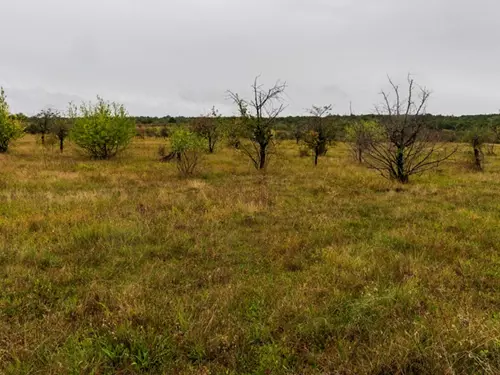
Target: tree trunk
x,y
61,144
43,138
262,157
210,146
400,166
316,155
477,159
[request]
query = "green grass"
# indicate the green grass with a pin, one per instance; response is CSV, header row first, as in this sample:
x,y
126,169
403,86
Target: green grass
x,y
123,267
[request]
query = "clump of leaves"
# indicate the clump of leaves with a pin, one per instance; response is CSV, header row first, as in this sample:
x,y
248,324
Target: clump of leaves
x,y
10,127
102,129
360,135
188,148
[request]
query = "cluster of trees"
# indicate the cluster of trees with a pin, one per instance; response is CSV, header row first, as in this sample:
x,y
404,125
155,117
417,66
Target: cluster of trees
x,y
101,129
398,141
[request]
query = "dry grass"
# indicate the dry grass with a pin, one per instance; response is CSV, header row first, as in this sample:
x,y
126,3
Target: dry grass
x,y
124,267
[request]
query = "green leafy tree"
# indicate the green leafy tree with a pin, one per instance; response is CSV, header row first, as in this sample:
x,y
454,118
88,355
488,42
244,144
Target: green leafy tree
x,y
188,149
61,129
10,127
44,121
102,129
360,134
21,117
209,128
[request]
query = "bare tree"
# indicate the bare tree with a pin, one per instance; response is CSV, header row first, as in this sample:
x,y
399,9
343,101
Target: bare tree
x,y
44,122
478,137
319,134
259,117
408,146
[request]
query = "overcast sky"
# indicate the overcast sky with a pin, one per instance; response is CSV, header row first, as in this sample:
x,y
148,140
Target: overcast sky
x,y
179,57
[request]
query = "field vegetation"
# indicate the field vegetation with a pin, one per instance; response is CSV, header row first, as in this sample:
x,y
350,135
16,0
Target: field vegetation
x,y
222,246
124,266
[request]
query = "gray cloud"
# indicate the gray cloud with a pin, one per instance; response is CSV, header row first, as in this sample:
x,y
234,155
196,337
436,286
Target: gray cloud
x,y
180,56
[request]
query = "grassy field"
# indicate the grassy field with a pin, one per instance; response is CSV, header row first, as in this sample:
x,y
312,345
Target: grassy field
x,y
123,267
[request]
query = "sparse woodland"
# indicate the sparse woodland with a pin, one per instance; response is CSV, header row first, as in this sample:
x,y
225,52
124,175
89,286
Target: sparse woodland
x,y
252,244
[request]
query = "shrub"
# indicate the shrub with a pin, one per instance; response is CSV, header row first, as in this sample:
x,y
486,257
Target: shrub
x,y
10,127
189,150
209,128
151,131
304,152
102,129
360,135
164,132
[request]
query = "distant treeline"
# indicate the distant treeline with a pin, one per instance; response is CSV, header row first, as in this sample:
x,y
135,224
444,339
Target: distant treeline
x,y
434,121
452,127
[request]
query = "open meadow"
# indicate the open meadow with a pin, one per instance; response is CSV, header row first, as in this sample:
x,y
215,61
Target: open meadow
x,y
124,267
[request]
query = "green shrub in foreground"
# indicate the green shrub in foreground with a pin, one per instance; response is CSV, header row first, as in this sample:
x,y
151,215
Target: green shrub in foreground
x,y
188,147
10,127
102,129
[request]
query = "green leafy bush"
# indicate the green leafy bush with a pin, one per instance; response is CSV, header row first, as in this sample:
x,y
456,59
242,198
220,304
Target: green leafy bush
x,y
188,147
360,135
10,128
102,129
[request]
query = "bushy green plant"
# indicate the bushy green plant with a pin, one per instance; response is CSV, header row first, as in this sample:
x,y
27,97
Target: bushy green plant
x,y
360,135
44,121
10,127
102,129
188,147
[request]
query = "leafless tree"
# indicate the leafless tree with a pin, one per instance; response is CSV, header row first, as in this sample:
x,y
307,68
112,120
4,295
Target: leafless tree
x,y
319,134
408,147
259,117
